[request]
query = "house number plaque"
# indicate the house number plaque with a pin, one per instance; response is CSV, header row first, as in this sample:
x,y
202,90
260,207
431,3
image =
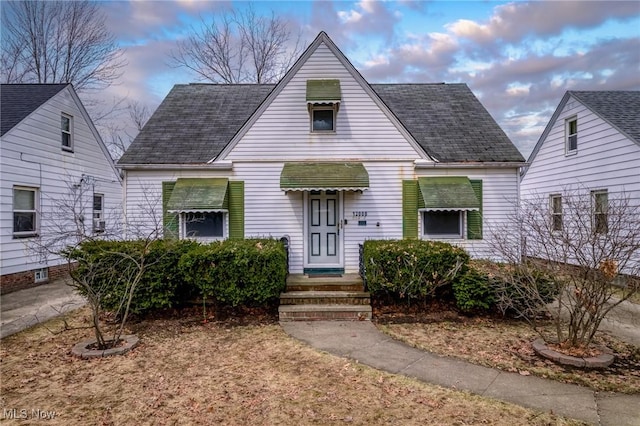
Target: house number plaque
x,y
359,214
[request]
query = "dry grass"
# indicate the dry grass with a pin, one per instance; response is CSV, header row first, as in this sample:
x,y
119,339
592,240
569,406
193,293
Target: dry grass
x,y
506,345
186,372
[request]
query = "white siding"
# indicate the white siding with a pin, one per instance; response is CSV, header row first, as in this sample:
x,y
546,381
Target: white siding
x,y
605,159
270,212
32,156
363,131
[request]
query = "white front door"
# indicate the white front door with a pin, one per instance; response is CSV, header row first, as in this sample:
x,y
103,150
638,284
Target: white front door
x,y
323,229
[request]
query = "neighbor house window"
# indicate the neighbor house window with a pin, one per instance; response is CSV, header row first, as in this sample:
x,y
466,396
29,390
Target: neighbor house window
x,y
67,132
323,117
442,224
98,213
25,217
556,212
571,131
41,275
203,224
600,211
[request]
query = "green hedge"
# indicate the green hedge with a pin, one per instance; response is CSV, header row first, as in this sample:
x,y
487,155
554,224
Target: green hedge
x,y
474,292
412,269
232,272
237,272
108,268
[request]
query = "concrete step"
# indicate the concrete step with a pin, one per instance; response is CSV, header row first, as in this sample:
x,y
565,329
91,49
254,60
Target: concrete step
x,y
324,312
347,282
325,298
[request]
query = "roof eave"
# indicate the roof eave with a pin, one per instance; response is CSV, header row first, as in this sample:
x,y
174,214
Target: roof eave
x,y
227,165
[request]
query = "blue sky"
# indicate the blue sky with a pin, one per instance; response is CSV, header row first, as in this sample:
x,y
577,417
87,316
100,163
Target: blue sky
x,y
519,57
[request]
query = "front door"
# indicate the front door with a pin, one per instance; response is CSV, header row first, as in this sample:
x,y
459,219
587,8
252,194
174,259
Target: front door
x,y
323,236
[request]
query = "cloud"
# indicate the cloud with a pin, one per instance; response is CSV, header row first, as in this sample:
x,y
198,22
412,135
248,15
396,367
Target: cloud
x,y
515,21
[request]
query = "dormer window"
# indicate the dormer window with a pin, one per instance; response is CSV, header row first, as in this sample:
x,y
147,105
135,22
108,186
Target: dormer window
x,y
323,102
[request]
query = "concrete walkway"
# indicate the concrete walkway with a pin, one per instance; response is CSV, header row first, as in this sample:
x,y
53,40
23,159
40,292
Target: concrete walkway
x,y
363,342
25,308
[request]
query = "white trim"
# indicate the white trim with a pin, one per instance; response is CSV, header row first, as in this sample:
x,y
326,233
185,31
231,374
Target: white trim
x,y
457,209
199,211
226,165
353,189
462,218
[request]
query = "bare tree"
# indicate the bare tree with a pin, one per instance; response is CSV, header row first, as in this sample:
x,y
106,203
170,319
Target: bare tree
x,y
239,47
96,272
121,124
58,42
588,251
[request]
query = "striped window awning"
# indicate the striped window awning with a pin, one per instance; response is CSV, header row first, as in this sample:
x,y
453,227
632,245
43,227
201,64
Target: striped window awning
x,y
323,91
199,195
447,193
324,177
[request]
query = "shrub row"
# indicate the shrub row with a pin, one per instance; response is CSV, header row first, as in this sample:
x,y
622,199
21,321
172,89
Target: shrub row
x,y
230,272
414,270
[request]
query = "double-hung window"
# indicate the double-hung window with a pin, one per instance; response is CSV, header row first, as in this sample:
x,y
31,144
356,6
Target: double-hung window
x,y
600,200
98,213
66,128
25,212
555,201
443,224
571,131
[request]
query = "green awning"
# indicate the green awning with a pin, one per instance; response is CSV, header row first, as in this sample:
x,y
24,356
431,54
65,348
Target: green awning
x,y
323,91
448,193
324,177
199,195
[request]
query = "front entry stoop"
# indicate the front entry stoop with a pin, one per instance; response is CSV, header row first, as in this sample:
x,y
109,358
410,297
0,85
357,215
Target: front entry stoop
x,y
324,298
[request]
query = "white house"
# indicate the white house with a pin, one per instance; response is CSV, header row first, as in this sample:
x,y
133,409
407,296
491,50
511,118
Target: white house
x,y
326,159
50,150
590,148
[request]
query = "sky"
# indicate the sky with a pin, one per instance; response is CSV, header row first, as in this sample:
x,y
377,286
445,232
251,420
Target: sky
x,y
519,58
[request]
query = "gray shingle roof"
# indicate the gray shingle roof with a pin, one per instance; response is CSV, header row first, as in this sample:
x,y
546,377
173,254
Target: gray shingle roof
x,y
449,122
195,122
620,108
17,101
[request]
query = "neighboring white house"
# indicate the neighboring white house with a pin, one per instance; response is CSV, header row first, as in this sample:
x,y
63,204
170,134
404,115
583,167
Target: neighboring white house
x,y
324,158
591,148
49,149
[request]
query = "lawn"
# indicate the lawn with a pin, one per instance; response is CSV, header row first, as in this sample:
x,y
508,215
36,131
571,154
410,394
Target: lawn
x,y
505,344
229,372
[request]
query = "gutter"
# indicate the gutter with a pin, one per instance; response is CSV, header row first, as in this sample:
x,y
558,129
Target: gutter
x,y
212,166
421,164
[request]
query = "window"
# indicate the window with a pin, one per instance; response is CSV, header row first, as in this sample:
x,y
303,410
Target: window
x,y
98,213
25,219
571,131
556,212
600,211
66,128
41,275
442,224
323,117
203,224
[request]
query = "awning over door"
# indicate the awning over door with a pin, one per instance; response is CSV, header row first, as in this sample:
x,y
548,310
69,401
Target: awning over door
x,y
199,195
448,193
323,91
324,177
